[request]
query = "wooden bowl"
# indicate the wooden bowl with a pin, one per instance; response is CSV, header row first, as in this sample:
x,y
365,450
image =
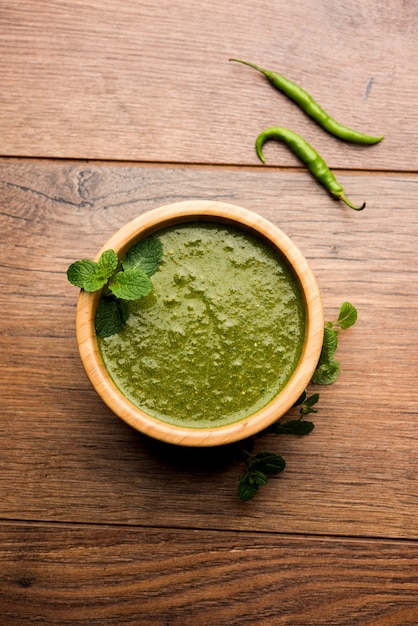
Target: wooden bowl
x,y
193,211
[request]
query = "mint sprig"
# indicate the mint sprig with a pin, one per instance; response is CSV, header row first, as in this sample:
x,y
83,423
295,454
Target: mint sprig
x,y
299,426
121,282
328,368
259,466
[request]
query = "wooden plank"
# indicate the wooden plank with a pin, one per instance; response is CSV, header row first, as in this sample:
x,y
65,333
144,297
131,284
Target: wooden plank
x,y
65,457
151,81
58,574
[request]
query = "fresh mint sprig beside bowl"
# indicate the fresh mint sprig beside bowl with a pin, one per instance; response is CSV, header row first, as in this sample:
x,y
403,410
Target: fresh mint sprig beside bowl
x,y
219,257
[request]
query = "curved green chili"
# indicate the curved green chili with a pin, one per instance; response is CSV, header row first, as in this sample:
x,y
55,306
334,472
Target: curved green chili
x,y
314,162
305,101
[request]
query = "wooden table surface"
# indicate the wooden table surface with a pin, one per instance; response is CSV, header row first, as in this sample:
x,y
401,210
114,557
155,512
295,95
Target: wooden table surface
x,y
111,108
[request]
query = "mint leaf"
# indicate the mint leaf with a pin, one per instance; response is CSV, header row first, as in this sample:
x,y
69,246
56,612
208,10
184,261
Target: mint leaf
x,y
247,489
130,284
107,263
105,267
329,345
255,477
267,463
123,309
295,427
111,317
313,399
94,282
326,373
249,483
347,316
79,272
145,255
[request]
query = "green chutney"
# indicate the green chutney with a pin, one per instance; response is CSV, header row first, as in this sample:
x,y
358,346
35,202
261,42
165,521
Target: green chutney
x,y
220,334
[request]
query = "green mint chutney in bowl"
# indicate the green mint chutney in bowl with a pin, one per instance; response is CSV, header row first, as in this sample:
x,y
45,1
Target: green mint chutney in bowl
x,y
227,339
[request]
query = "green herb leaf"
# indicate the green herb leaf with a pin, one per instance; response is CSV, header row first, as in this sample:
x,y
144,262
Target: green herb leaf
x,y
301,399
94,282
267,462
123,309
256,477
131,284
295,427
329,345
347,316
313,399
107,263
305,410
79,271
111,316
246,488
326,373
146,256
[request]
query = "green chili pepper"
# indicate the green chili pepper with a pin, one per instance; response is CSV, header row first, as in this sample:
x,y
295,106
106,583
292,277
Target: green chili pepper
x,y
314,162
312,108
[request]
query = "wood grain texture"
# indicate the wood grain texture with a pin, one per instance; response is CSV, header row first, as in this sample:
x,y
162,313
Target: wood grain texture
x,y
66,457
151,81
99,524
55,574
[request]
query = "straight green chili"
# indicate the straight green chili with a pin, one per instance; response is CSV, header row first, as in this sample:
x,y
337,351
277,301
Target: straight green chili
x,y
309,156
305,101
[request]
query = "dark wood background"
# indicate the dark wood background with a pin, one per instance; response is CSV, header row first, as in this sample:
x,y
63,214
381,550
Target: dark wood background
x,y
109,109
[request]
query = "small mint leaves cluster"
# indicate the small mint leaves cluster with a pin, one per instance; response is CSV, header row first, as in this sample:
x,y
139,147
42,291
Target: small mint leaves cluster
x,y
261,465
328,368
121,282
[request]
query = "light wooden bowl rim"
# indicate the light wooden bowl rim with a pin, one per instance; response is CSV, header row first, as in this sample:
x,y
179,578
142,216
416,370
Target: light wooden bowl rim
x,y
221,212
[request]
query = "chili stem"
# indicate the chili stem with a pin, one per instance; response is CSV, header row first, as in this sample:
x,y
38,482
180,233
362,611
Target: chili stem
x,y
352,206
